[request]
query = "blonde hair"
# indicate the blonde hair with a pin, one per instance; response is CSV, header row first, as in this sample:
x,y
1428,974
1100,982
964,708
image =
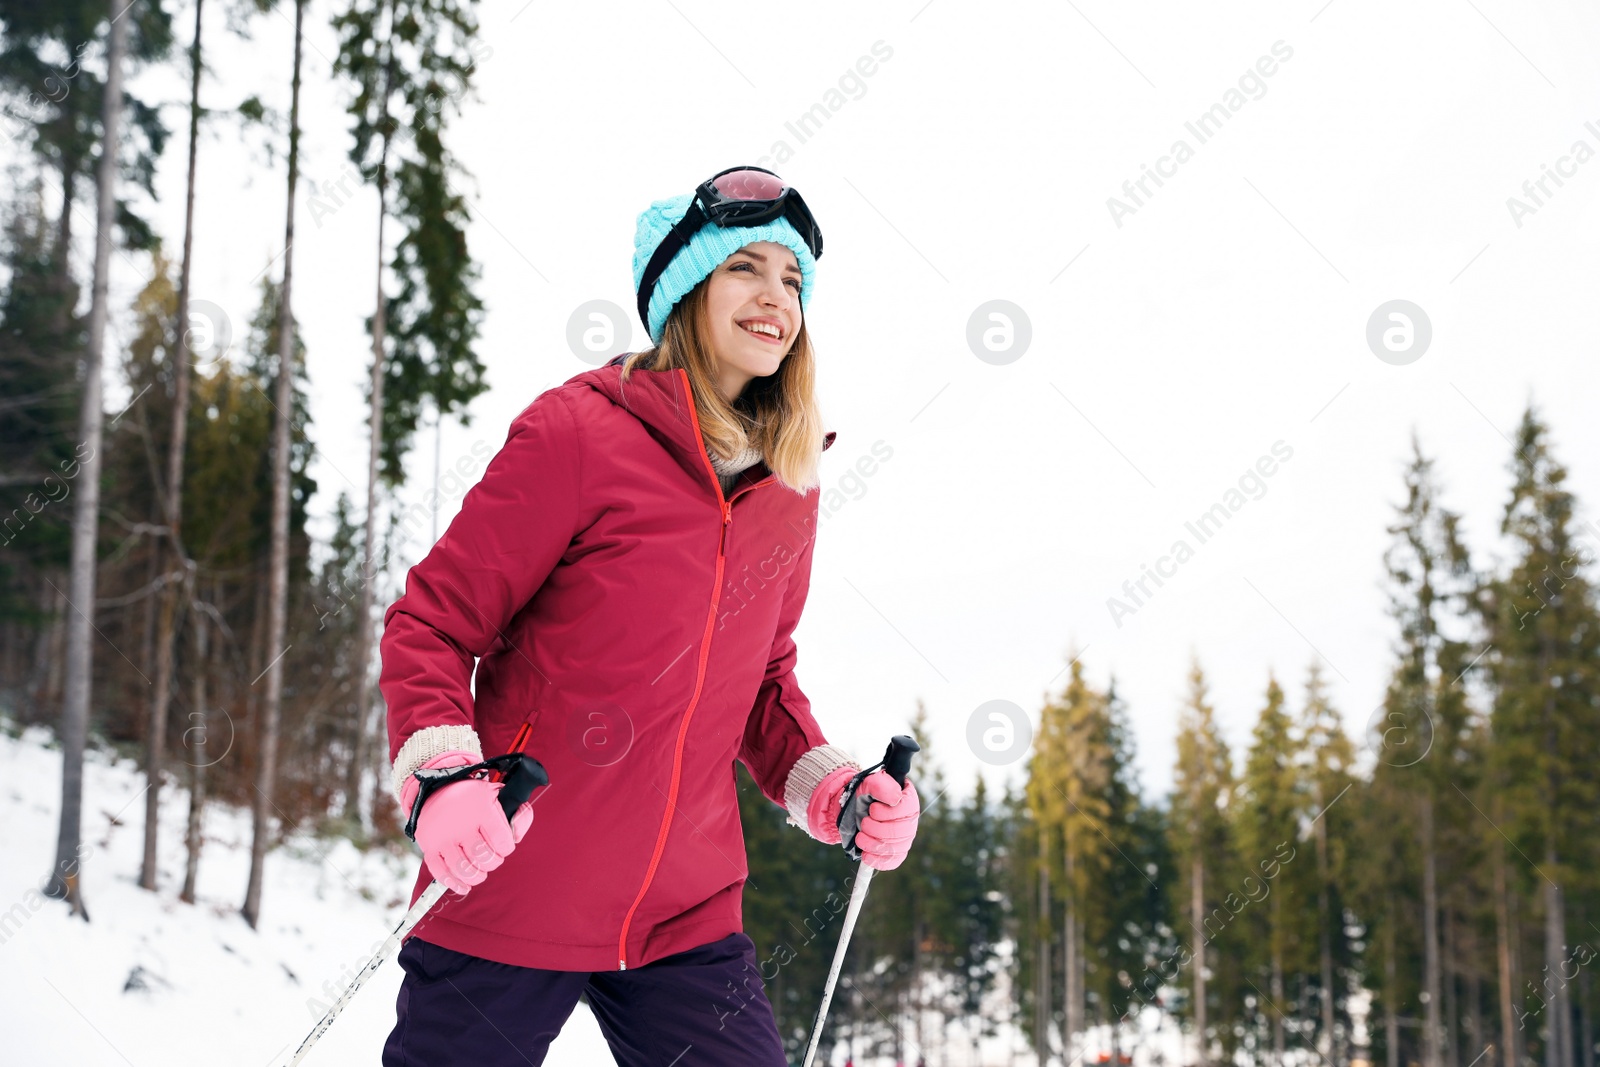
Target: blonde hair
x,y
778,414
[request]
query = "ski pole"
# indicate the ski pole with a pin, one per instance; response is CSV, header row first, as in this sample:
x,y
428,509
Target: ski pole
x,y
522,774
897,761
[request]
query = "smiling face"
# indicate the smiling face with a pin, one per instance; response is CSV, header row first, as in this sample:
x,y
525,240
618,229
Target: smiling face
x,y
752,313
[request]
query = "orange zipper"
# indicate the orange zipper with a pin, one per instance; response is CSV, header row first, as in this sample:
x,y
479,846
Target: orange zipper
x,y
726,507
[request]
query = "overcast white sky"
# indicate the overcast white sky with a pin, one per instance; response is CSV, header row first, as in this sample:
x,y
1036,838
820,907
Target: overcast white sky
x,y
1168,353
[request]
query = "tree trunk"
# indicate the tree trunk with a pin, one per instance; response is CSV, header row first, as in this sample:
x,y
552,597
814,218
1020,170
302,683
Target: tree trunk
x,y
899,1032
355,802
198,759
156,734
1041,977
278,580
1072,989
1505,939
147,627
1452,1045
1069,962
438,449
156,719
1585,1021
1558,1048
1391,991
56,649
1277,979
1082,975
355,805
258,643
1328,1046
1474,995
1558,1021
8,653
1197,918
1432,1051
63,882
61,280
915,990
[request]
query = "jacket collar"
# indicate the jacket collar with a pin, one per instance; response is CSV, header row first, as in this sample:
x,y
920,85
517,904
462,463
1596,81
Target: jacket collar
x,y
660,400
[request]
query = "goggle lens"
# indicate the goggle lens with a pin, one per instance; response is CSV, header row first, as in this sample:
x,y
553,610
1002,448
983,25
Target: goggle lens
x,y
749,185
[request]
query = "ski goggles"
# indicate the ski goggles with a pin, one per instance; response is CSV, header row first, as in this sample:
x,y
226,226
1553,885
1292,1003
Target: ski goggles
x,y
738,196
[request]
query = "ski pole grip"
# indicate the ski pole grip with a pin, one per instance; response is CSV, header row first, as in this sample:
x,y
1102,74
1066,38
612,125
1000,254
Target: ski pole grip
x,y
525,775
897,760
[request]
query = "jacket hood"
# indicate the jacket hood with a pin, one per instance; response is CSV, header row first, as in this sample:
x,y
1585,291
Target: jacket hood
x,y
660,399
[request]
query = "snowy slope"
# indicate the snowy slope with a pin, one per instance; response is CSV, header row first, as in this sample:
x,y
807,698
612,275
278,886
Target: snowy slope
x,y
206,988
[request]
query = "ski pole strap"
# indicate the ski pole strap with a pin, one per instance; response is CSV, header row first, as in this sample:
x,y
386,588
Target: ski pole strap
x,y
897,761
520,773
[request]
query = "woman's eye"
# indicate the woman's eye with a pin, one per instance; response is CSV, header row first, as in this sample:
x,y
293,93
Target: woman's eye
x,y
796,282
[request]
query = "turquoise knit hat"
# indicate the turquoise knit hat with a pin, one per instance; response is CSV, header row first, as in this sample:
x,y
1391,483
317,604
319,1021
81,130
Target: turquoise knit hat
x,y
706,250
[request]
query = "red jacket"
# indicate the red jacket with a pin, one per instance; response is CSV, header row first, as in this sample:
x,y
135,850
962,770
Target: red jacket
x,y
642,624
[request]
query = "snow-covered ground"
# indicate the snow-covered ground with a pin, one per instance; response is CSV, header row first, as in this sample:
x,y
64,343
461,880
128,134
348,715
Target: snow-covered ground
x,y
151,980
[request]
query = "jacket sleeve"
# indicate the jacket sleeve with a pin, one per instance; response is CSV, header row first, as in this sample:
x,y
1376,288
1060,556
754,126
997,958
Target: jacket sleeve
x,y
783,746
513,527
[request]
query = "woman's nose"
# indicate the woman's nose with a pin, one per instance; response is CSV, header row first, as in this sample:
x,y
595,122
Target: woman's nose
x,y
779,294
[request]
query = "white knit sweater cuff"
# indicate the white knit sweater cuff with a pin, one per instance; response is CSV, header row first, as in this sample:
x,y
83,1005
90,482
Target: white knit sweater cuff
x,y
806,774
428,742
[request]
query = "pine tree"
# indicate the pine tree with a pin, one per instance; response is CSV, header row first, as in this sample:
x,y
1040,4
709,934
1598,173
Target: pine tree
x,y
282,476
1267,820
1545,667
40,336
1201,843
63,882
1130,908
1328,777
1085,842
978,852
412,62
56,104
1070,778
1431,585
914,911
174,595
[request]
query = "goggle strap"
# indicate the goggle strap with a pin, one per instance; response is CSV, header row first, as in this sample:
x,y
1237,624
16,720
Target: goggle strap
x,y
674,242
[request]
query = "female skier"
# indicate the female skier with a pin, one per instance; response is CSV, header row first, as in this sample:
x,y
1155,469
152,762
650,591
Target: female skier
x,y
628,575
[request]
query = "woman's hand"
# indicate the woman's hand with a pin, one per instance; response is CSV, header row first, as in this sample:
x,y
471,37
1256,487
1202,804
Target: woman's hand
x,y
883,815
888,817
462,831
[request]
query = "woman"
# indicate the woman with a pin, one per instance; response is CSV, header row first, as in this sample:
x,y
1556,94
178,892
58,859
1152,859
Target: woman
x,y
628,575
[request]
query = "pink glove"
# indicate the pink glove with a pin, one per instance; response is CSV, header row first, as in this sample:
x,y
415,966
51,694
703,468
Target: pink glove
x,y
888,815
822,814
462,832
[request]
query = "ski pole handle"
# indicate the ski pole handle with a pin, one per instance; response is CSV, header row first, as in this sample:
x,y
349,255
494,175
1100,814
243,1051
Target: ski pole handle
x,y
896,763
897,759
525,775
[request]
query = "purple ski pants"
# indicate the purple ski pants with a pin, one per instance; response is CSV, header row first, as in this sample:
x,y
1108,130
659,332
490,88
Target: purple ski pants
x,y
704,1007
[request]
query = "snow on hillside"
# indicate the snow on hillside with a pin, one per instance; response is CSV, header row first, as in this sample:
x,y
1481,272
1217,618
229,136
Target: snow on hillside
x,y
151,980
